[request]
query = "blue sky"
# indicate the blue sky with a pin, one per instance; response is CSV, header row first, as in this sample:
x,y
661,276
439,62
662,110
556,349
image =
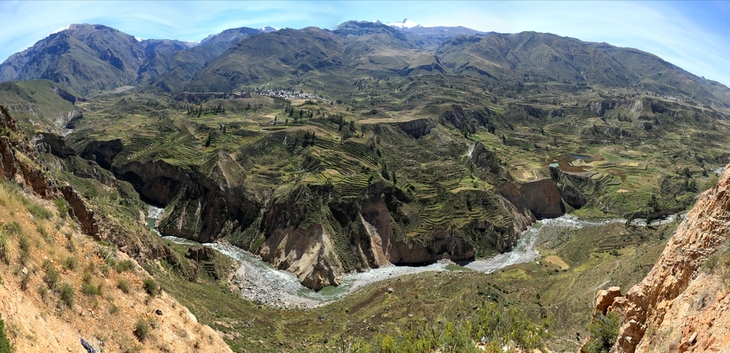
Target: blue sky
x,y
692,35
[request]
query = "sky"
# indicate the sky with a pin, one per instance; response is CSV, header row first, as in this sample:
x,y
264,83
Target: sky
x,y
692,35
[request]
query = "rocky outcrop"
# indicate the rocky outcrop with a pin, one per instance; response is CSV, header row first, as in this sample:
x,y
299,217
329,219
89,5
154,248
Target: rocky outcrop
x,y
417,128
83,213
66,119
600,107
54,144
679,307
543,198
575,188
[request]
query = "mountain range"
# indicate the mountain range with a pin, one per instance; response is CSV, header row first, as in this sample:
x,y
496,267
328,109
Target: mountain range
x,y
93,58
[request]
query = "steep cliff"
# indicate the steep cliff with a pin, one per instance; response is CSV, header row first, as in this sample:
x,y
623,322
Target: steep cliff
x,y
681,305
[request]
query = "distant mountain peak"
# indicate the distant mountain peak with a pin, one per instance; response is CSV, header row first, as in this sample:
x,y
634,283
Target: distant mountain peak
x,y
406,23
268,29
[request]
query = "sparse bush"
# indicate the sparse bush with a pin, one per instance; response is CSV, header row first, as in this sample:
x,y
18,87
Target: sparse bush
x,y
5,346
604,332
123,285
13,228
52,275
24,245
150,286
66,293
39,211
90,289
124,266
70,263
4,249
44,233
141,329
62,207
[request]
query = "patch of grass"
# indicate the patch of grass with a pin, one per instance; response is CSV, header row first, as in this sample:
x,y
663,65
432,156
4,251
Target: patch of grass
x,y
150,286
5,346
90,289
24,245
62,207
123,285
70,263
13,228
39,211
141,329
124,266
52,275
66,294
4,248
44,233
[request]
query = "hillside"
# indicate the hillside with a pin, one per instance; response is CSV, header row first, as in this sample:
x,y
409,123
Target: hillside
x,y
61,287
92,58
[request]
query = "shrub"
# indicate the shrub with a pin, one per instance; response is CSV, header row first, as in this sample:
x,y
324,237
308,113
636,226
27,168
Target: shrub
x,y
70,263
123,285
604,332
124,266
4,249
67,294
62,207
90,289
52,275
150,286
141,329
43,232
4,341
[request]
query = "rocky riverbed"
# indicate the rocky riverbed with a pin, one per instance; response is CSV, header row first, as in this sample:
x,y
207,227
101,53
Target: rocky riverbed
x,y
261,283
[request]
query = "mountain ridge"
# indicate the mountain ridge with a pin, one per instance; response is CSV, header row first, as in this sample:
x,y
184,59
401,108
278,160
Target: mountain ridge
x,y
169,65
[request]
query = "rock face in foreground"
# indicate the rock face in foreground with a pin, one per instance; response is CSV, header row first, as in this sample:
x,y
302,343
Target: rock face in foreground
x,y
679,306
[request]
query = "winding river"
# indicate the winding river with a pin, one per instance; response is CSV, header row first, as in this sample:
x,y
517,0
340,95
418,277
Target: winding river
x,y
261,283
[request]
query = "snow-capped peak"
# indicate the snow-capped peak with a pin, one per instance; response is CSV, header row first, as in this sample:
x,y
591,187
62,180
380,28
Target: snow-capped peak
x,y
61,29
406,23
267,29
138,39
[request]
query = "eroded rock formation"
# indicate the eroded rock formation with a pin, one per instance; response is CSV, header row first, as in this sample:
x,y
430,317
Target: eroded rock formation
x,y
679,307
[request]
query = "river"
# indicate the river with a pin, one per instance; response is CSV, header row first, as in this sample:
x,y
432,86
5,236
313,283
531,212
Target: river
x,y
261,283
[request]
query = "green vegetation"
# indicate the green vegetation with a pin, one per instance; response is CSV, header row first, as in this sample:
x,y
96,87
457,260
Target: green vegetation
x,y
603,333
124,266
5,346
70,263
491,327
66,294
123,285
141,329
150,286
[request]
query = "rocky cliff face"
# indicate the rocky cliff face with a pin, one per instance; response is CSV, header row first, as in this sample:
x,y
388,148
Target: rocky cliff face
x,y
679,307
600,107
